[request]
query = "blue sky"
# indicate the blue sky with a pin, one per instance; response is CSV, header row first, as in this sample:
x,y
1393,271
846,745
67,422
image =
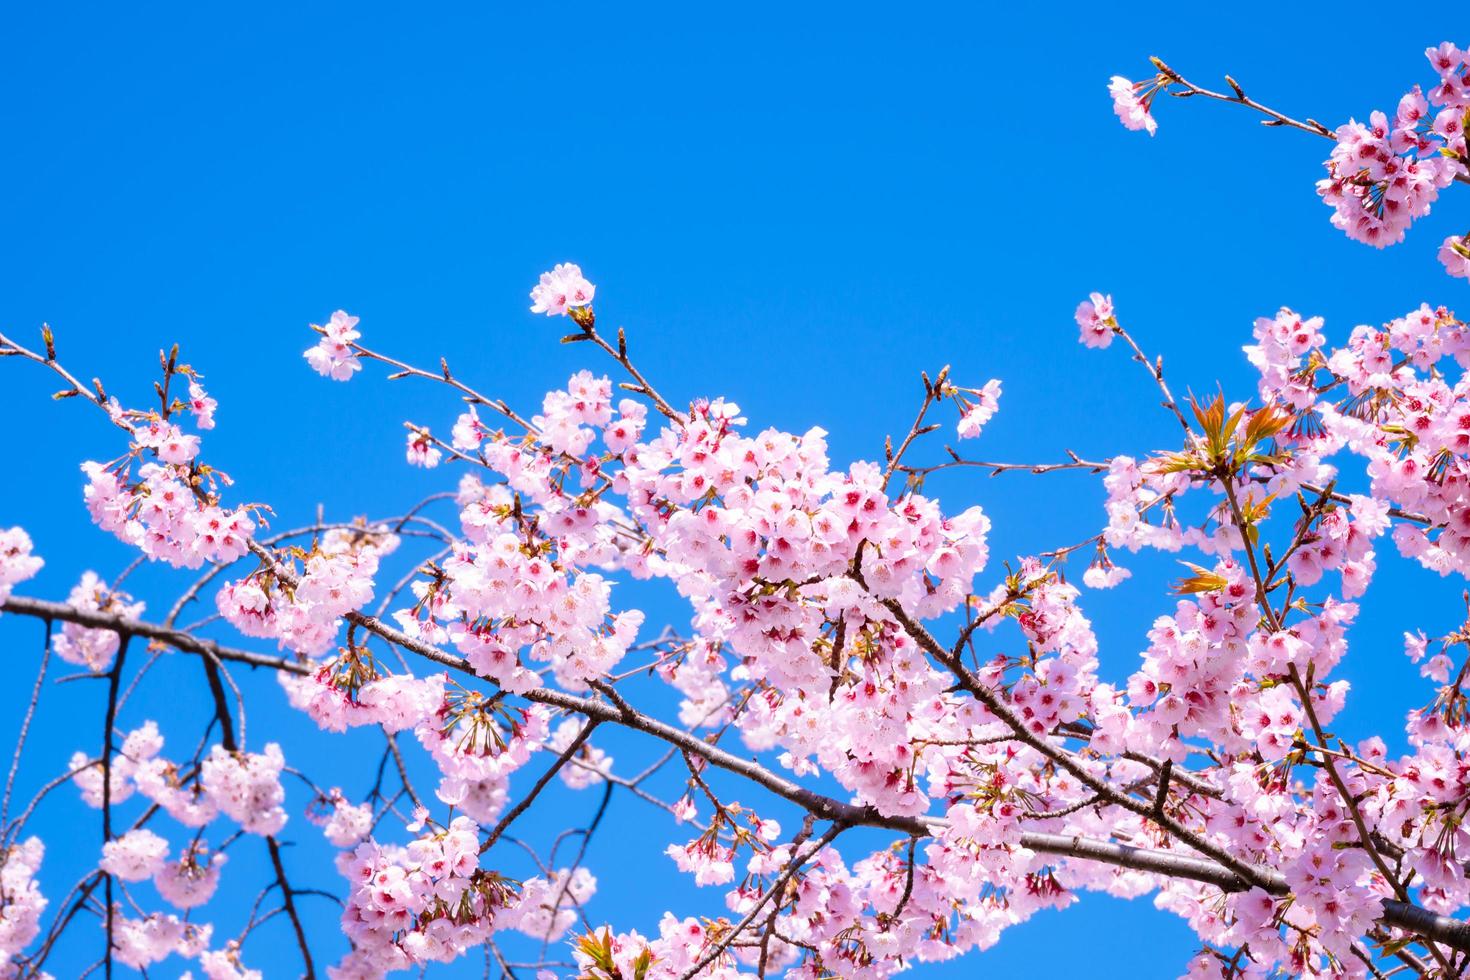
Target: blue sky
x,y
797,208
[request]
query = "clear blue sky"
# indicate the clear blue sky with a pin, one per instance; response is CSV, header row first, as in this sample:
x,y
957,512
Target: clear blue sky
x,y
797,208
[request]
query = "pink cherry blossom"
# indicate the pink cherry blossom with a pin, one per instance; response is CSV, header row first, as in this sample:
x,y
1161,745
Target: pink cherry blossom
x,y
561,290
191,880
1131,103
134,856
247,787
422,451
17,563
978,408
1095,317
1454,254
201,405
24,905
333,356
93,648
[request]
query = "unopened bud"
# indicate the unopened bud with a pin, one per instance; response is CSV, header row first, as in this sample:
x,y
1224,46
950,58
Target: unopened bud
x,y
583,317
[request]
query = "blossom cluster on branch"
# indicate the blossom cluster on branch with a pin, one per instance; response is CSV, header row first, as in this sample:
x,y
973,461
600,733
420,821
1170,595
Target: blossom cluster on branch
x,y
1382,175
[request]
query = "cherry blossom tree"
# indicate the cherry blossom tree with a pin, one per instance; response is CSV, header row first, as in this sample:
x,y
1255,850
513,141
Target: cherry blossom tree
x,y
890,746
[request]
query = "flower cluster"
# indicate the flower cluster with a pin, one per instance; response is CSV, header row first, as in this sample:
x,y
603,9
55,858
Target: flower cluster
x,y
1096,319
159,497
177,790
343,824
561,290
1392,406
548,906
423,903
333,356
351,690
247,787
191,880
477,742
158,511
243,786
1260,689
1383,176
977,409
87,647
21,901
302,606
1132,102
141,942
517,588
17,563
135,856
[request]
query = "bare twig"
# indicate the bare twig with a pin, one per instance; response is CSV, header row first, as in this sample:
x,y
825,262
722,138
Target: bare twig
x,y
25,725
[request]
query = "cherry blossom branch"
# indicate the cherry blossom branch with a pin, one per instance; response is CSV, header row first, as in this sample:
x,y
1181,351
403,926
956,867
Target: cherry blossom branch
x,y
823,807
797,861
403,370
584,318
1155,369
525,802
1341,498
586,839
773,502
625,715
1003,712
473,397
398,523
933,392
1349,800
212,671
1273,117
1400,915
1190,780
123,626
1074,462
96,395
